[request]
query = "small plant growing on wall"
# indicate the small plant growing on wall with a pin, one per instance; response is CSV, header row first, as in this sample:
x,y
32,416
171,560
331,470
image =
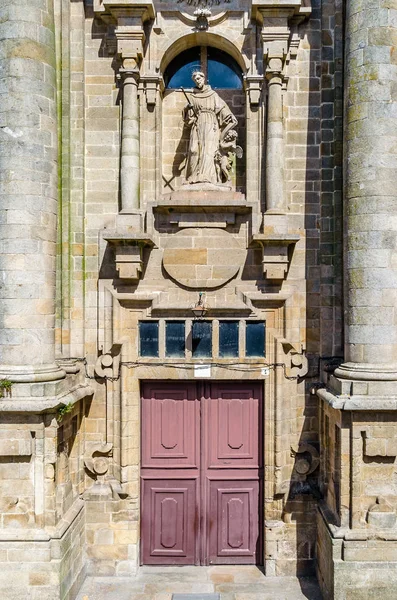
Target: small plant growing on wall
x,y
64,410
5,387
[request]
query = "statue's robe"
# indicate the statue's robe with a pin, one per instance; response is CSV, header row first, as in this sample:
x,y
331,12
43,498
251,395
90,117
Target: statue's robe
x,y
207,118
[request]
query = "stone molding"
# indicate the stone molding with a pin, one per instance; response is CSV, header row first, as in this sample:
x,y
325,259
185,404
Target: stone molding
x,y
46,403
357,402
32,373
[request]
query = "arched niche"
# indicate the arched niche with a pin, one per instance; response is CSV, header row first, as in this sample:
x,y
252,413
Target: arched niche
x,y
202,38
225,74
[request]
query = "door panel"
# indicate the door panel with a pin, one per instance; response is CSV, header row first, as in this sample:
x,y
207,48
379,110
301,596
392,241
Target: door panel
x,y
170,427
168,521
232,451
232,424
201,473
233,531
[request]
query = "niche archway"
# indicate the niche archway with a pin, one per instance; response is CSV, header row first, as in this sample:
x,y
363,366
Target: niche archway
x,y
225,75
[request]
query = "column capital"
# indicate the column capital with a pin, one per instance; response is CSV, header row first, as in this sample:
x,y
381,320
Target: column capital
x,y
128,17
129,71
274,72
277,19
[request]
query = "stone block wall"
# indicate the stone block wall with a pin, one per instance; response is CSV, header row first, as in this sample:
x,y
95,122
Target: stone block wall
x,y
98,312
16,481
42,536
112,535
356,541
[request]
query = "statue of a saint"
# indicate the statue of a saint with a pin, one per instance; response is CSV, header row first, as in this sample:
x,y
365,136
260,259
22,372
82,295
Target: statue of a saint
x,y
212,137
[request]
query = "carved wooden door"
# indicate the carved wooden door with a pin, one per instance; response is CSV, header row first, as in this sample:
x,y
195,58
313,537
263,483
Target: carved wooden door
x,y
201,473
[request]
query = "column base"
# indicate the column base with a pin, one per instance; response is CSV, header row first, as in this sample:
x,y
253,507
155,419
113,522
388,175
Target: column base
x,y
130,219
37,564
363,381
355,567
31,373
367,371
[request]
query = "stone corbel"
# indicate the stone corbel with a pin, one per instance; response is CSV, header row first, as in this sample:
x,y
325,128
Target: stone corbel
x,y
128,249
275,253
253,86
296,363
307,460
97,463
152,85
107,365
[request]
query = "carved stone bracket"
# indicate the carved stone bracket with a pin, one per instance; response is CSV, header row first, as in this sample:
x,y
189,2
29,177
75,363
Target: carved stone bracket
x,y
152,85
296,363
276,257
307,460
253,86
97,461
107,365
128,248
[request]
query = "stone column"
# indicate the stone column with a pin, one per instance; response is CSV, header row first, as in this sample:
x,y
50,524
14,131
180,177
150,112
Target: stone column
x,y
129,170
275,198
370,144
128,21
28,191
275,38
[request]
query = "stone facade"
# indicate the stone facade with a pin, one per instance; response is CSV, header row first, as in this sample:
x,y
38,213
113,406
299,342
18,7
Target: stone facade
x,y
99,231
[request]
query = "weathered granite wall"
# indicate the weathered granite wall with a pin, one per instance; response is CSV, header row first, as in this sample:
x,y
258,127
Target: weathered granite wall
x,y
29,182
358,425
66,64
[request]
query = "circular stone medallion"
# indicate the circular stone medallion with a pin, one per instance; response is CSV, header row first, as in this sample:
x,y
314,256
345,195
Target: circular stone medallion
x,y
202,258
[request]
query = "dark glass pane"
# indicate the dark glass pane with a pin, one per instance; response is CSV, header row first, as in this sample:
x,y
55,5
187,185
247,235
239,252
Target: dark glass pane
x,y
228,338
149,338
202,339
255,338
223,71
175,338
179,71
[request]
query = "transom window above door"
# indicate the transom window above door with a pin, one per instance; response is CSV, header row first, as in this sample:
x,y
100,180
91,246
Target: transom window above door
x,y
221,69
202,339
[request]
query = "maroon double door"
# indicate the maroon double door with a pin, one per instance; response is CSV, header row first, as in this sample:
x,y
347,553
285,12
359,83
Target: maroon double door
x,y
201,473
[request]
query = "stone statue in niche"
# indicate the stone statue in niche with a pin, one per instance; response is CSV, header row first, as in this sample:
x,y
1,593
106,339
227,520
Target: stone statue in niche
x,y
213,138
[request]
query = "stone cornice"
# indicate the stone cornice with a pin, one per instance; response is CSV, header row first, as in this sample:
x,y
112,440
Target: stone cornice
x,y
124,7
277,19
129,18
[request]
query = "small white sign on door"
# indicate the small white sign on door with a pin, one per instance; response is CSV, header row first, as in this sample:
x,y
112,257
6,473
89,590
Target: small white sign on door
x,y
202,371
